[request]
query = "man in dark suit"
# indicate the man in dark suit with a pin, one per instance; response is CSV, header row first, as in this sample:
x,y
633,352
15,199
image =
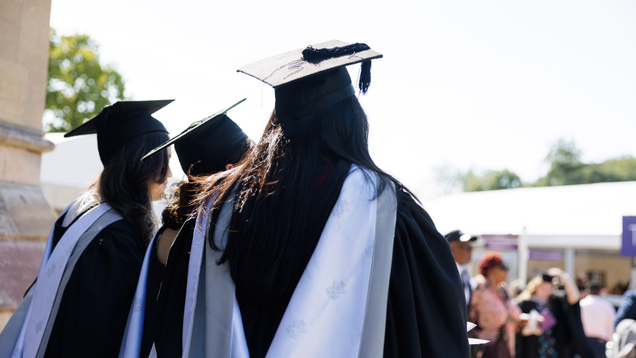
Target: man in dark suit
x,y
627,308
462,252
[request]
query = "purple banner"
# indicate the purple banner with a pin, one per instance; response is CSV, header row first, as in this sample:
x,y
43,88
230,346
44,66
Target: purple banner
x,y
546,255
500,242
628,239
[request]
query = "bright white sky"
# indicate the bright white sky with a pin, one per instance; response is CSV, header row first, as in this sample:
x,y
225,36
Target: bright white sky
x,y
478,84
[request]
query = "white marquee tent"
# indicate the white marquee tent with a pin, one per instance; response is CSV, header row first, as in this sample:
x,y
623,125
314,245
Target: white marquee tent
x,y
564,217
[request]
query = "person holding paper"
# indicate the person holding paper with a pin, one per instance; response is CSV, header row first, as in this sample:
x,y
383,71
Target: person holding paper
x,y
553,325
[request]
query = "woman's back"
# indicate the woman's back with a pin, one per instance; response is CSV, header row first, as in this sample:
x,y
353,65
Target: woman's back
x,y
284,195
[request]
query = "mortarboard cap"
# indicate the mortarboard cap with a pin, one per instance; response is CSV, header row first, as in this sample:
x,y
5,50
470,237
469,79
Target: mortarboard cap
x,y
207,145
118,124
308,80
458,235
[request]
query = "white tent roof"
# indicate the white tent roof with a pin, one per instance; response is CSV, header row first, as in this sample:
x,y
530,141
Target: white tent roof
x,y
574,210
74,164
74,161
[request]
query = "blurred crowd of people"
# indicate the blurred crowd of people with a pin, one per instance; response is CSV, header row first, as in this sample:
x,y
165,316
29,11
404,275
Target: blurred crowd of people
x,y
552,317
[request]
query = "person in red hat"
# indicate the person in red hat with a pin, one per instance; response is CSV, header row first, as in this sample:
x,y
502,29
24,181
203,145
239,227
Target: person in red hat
x,y
492,310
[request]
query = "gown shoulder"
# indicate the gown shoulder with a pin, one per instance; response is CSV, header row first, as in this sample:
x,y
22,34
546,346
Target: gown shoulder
x,y
426,312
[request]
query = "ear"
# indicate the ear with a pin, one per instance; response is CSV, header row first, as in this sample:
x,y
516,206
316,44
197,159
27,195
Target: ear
x,y
229,166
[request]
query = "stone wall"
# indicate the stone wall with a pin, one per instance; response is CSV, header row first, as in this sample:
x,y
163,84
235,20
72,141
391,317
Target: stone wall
x,y
25,216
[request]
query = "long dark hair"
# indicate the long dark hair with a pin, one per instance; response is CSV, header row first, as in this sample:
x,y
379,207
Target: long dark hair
x,y
124,182
181,204
285,191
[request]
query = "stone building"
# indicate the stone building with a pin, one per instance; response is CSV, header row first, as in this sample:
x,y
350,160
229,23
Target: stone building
x,y
25,215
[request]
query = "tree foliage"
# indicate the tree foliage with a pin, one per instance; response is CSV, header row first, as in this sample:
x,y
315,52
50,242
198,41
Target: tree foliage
x,y
491,180
618,169
565,165
565,168
79,86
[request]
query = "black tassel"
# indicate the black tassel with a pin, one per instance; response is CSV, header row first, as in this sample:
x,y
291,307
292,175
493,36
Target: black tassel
x,y
365,77
316,55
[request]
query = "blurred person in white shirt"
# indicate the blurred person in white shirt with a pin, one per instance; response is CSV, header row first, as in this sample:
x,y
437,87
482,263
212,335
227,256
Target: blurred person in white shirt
x,y
597,316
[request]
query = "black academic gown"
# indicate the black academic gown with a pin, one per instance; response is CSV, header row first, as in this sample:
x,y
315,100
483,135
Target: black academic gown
x,y
94,308
165,297
426,314
426,310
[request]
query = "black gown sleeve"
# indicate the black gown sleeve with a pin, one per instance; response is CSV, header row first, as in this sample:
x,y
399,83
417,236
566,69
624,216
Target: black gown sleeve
x,y
165,299
426,313
153,286
94,308
627,308
568,332
527,346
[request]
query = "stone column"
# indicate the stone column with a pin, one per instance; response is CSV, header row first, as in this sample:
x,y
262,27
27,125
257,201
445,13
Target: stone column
x,y
25,216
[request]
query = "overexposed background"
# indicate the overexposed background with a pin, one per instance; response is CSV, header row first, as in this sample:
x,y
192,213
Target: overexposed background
x,y
463,84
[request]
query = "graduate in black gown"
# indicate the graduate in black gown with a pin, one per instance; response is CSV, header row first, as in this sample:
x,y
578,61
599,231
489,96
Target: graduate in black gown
x,y
88,315
559,330
284,195
208,146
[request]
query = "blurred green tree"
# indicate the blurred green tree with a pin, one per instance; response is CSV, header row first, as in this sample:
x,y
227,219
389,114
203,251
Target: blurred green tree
x,y
491,180
566,168
79,86
565,165
617,169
